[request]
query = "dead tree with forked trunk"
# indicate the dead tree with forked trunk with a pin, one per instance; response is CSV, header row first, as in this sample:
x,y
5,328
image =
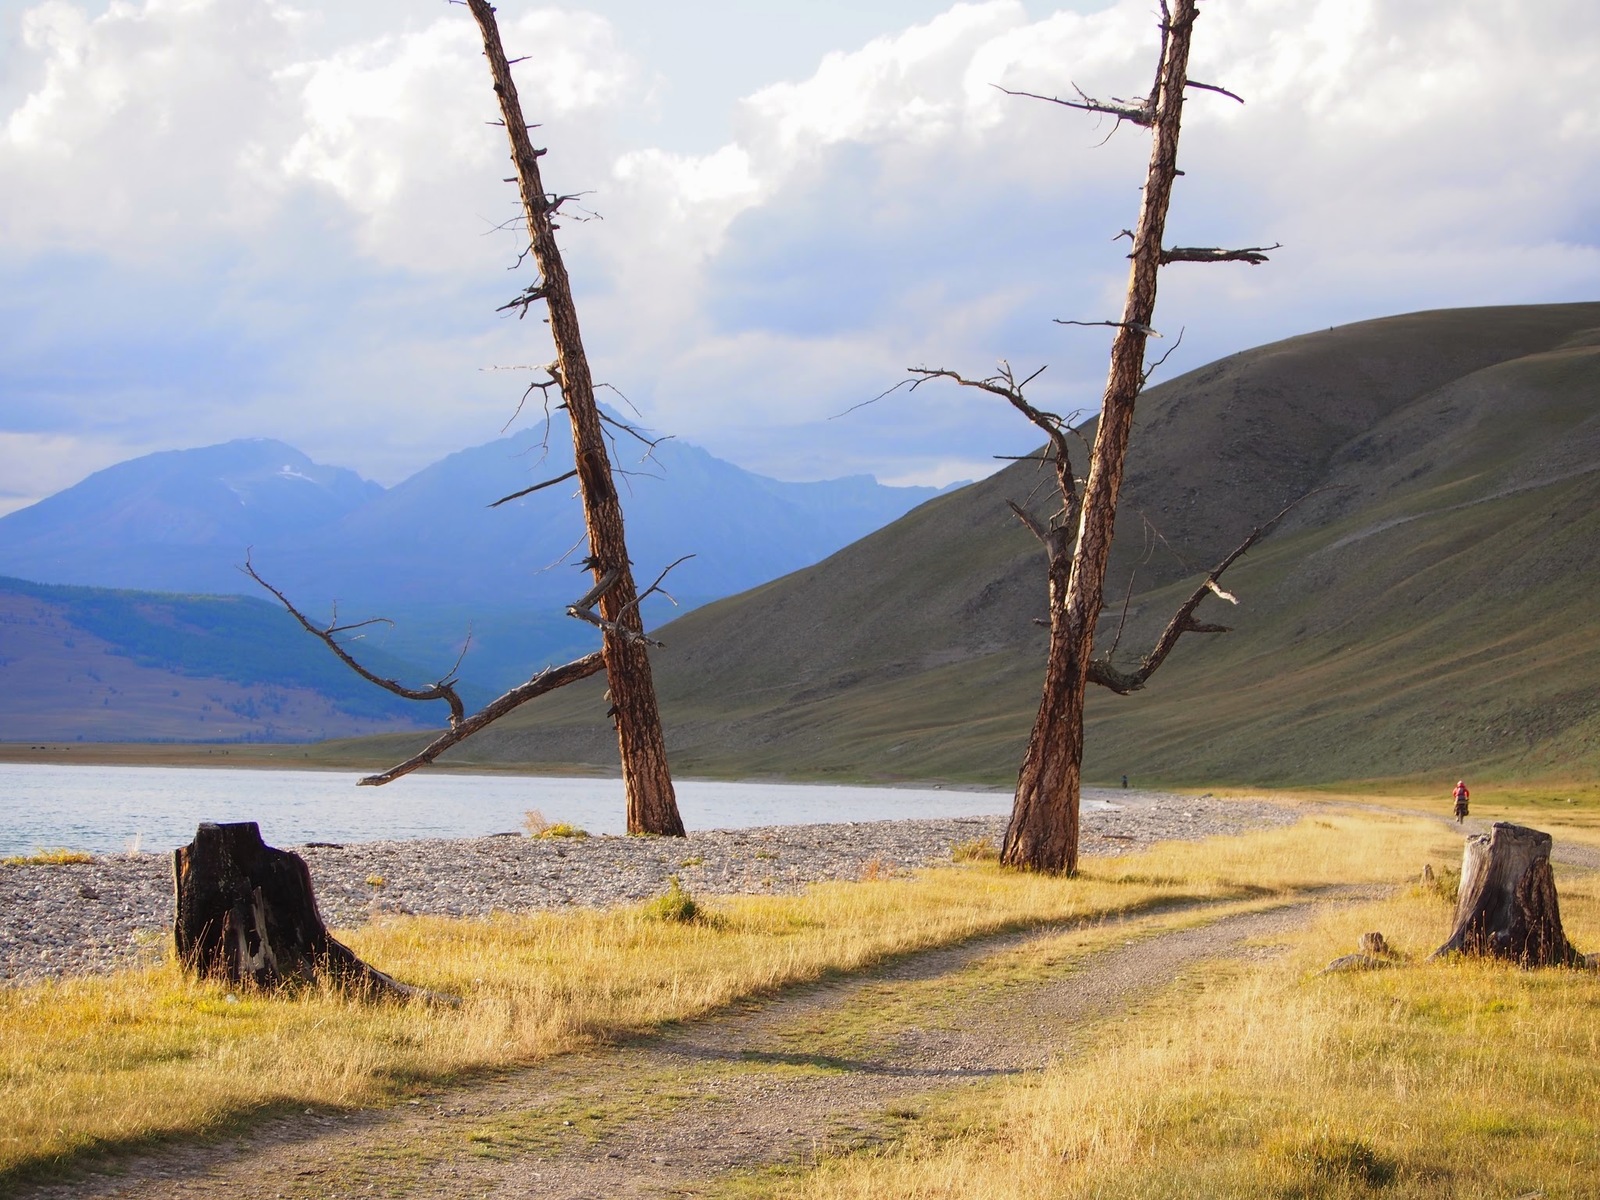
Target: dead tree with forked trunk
x,y
1043,831
652,806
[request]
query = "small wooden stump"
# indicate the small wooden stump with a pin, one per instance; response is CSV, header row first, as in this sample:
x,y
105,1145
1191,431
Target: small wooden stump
x,y
1507,905
245,912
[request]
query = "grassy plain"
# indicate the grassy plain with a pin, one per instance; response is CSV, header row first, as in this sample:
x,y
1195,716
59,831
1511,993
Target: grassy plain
x,y
104,1062
1250,1078
1452,1079
97,1063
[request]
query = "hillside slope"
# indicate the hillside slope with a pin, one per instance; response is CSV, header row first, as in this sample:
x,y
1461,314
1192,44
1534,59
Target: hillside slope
x,y
1428,608
90,664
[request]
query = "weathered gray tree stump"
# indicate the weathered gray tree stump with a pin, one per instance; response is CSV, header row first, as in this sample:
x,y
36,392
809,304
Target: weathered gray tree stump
x,y
1507,905
245,912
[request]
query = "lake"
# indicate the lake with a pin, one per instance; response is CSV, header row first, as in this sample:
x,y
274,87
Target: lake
x,y
109,809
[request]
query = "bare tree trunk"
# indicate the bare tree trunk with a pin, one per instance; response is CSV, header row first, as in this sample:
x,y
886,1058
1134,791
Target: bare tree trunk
x,y
652,802
1043,832
1507,907
244,911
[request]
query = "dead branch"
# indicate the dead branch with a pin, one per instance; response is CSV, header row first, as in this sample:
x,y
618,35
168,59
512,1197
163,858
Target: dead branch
x,y
1122,620
1151,368
651,443
1254,255
1103,672
1140,111
1211,87
542,386
621,395
545,681
1135,326
1005,385
655,584
590,598
1031,521
444,689
1056,536
531,294
538,487
911,383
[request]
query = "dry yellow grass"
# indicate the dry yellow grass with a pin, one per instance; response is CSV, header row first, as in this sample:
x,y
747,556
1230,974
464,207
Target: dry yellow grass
x,y
117,1060
58,857
1450,1079
96,1062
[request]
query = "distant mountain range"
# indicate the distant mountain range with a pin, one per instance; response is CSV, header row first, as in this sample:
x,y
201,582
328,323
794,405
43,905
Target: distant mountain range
x,y
429,553
1428,610
90,664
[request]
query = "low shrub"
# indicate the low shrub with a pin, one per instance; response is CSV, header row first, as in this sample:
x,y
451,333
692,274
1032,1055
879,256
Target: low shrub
x,y
674,904
979,849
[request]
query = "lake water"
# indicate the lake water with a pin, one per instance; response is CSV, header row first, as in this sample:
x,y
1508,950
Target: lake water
x,y
108,809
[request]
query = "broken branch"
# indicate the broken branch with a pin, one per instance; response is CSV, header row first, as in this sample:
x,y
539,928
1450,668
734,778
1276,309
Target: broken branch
x,y
1211,87
1141,111
444,689
545,681
1254,255
1107,675
1135,326
538,487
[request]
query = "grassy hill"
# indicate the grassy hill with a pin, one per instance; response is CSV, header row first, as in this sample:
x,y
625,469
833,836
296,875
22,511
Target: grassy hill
x,y
1427,609
93,664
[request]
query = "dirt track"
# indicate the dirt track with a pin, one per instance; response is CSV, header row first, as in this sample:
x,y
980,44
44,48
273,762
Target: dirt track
x,y
827,1066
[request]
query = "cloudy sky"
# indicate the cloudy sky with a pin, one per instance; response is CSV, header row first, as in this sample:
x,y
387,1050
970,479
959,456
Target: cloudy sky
x,y
230,218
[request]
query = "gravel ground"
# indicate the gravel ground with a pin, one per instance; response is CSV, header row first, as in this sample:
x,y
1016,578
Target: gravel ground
x,y
116,911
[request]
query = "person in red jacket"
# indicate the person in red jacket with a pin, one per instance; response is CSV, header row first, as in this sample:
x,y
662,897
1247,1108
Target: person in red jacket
x,y
1462,796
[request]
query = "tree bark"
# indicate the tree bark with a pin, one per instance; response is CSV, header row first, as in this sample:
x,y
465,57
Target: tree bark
x,y
1507,906
1043,831
651,799
245,912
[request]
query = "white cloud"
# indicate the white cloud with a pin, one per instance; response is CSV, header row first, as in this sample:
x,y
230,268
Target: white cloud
x,y
1406,154
315,193
139,133
396,128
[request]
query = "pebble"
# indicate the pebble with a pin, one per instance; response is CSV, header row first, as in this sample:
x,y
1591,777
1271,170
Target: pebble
x,y
116,911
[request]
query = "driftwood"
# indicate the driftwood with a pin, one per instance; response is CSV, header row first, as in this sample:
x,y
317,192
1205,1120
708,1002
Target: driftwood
x,y
1375,952
245,912
1507,905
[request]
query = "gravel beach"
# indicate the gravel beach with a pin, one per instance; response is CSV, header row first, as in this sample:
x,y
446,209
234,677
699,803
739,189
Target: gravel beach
x,y
117,910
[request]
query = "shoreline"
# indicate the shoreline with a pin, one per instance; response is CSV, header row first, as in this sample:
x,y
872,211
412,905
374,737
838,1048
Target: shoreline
x,y
305,756
115,912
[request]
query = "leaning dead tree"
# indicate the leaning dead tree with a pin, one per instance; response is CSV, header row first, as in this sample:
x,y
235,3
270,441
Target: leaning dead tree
x,y
1506,906
652,803
613,603
1043,831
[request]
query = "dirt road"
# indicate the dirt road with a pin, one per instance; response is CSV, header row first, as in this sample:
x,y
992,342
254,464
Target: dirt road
x,y
823,1067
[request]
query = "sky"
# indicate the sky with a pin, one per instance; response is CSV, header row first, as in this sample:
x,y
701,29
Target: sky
x,y
261,218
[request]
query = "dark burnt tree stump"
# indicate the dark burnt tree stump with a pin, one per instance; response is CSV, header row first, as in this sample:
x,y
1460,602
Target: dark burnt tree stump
x,y
245,912
1507,906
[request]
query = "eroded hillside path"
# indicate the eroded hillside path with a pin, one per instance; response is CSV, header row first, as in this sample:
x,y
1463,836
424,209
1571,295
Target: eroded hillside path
x,y
823,1067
